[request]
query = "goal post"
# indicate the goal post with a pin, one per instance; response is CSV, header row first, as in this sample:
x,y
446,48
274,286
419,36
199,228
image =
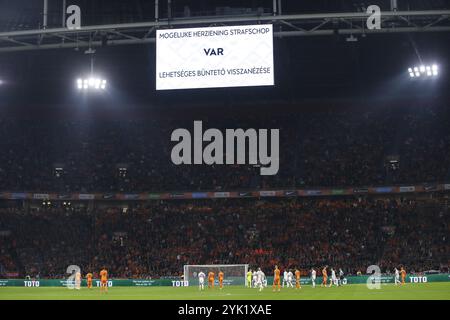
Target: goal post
x,y
234,274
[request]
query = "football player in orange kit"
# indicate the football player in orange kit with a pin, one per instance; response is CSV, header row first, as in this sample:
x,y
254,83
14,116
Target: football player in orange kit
x,y
324,276
89,280
403,275
276,279
221,279
211,280
297,279
104,280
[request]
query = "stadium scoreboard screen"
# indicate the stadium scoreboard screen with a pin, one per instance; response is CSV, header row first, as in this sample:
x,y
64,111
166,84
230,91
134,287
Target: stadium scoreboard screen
x,y
214,57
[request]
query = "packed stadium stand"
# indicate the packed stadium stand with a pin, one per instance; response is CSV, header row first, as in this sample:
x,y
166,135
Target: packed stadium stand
x,y
317,149
156,238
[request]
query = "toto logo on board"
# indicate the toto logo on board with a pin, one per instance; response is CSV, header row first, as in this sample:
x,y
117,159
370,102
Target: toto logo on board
x,y
180,283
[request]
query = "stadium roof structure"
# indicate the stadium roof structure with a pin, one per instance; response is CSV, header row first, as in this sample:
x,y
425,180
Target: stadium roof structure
x,y
20,37
315,51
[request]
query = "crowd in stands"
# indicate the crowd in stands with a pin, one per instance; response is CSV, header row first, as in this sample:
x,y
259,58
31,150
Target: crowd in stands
x,y
157,238
316,150
7,264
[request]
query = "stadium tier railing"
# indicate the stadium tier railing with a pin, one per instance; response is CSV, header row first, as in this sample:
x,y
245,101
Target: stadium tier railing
x,y
281,193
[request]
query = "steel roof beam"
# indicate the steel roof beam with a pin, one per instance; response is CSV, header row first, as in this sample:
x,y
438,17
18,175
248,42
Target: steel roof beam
x,y
177,22
302,25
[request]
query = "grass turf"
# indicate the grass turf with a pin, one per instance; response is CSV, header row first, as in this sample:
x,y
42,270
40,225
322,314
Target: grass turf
x,y
435,291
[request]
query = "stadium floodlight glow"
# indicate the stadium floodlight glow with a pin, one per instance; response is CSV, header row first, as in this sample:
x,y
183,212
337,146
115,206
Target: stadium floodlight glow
x,y
424,71
92,82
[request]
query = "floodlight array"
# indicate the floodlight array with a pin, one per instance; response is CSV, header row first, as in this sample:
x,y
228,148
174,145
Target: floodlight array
x,y
91,83
424,71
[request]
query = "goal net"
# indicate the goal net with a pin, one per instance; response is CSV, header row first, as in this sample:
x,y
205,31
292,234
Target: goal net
x,y
234,274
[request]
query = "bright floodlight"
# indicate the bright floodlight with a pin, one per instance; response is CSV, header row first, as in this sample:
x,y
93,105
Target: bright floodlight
x,y
423,71
435,70
91,83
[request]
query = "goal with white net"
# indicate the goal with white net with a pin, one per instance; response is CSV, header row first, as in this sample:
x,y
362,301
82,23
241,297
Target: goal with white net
x,y
234,274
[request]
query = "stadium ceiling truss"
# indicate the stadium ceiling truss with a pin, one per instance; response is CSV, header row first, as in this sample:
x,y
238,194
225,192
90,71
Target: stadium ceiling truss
x,y
284,26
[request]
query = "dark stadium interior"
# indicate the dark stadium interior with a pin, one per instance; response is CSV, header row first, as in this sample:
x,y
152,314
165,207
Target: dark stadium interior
x,y
344,110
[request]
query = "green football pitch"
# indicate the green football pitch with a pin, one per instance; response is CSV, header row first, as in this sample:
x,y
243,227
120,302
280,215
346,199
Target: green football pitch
x,y
436,290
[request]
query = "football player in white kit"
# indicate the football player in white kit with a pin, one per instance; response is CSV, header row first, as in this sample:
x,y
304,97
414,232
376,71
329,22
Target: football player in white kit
x,y
333,279
201,280
260,277
397,277
78,280
313,277
285,276
255,278
290,278
341,277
